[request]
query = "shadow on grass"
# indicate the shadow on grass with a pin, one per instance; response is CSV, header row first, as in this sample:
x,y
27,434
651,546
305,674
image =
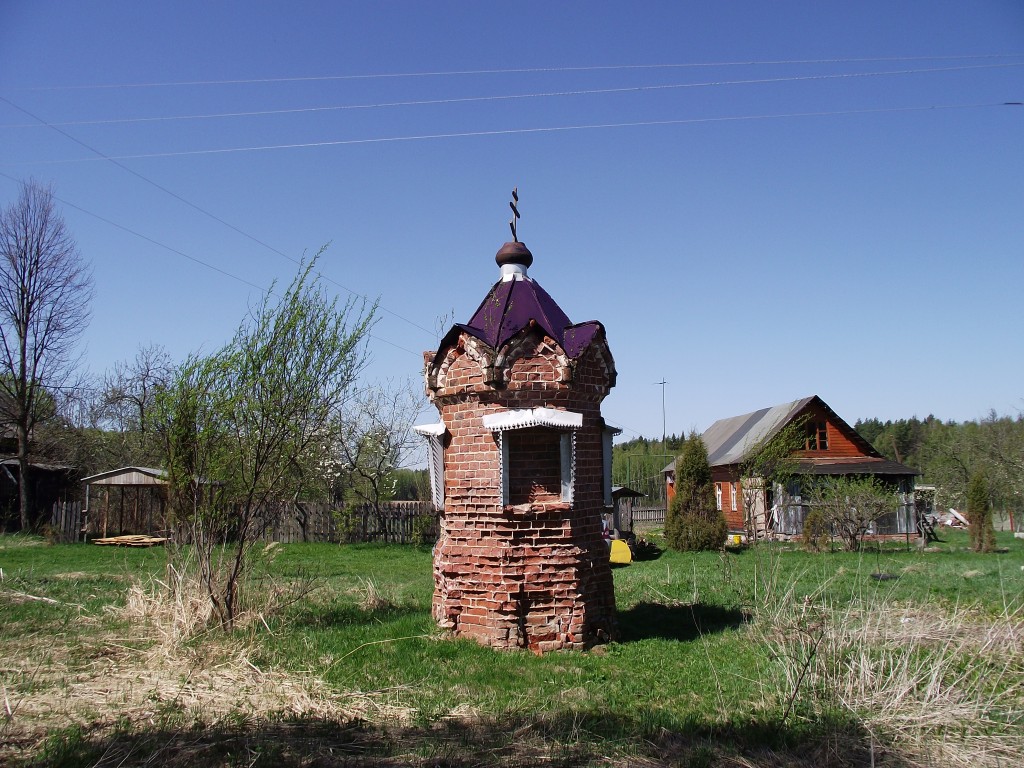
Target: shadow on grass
x,y
350,615
564,740
677,622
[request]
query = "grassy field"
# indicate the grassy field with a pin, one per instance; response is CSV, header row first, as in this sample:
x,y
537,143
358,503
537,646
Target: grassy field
x,y
766,656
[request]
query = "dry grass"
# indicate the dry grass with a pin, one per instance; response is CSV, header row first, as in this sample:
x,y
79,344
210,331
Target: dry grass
x,y
948,687
373,598
174,610
936,688
160,671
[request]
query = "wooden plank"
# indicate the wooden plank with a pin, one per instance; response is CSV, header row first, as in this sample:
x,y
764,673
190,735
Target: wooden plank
x,y
131,540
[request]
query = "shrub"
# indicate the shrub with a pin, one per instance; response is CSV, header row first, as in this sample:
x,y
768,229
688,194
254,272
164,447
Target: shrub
x,y
692,522
852,505
699,532
816,534
424,529
979,514
349,521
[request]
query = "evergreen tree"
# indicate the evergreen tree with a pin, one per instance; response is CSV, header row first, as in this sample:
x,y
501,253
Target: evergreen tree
x,y
692,522
979,514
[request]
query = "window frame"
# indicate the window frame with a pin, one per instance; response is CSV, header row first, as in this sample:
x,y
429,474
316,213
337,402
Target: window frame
x,y
434,435
564,422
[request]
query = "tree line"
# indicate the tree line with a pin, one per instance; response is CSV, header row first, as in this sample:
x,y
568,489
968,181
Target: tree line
x,y
949,454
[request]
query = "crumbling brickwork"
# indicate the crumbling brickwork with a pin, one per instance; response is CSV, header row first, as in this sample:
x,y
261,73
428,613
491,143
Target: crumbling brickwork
x,y
527,568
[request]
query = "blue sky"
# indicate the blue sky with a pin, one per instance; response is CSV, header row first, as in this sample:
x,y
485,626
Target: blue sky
x,y
760,201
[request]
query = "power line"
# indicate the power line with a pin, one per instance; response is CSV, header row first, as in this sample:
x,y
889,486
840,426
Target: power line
x,y
191,258
515,131
623,427
205,212
505,97
518,70
153,242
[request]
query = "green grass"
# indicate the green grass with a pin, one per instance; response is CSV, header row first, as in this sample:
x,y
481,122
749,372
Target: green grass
x,y
688,677
684,651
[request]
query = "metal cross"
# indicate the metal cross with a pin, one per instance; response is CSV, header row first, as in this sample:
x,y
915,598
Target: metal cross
x,y
515,213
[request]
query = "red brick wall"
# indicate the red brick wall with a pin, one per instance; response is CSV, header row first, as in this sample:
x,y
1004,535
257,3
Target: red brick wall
x,y
534,573
534,466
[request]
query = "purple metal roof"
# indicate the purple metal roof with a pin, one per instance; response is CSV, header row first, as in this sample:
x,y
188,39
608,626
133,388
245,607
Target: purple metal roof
x,y
511,306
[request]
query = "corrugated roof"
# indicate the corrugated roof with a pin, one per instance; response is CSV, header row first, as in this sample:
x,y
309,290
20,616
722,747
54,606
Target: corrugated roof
x,y
13,462
730,441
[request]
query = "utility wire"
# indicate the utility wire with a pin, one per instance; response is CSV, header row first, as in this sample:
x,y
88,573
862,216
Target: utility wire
x,y
508,97
519,70
191,258
623,427
190,204
515,131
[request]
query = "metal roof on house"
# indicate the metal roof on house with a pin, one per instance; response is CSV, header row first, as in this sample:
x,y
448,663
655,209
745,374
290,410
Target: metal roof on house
x,y
730,441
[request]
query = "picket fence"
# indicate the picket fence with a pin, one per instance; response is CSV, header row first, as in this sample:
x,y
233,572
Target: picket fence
x,y
397,522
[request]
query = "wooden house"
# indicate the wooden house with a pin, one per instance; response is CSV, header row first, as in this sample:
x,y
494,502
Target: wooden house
x,y
830,446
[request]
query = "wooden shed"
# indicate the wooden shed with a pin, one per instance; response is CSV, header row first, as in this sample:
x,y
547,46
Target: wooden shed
x,y
137,504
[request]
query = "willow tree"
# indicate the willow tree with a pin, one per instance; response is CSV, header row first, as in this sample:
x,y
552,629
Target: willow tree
x,y
248,429
45,289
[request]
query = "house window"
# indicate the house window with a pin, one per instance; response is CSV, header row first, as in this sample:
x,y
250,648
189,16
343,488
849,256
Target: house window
x,y
718,496
538,454
817,436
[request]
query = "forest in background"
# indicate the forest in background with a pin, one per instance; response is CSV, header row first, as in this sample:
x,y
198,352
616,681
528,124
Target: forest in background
x,y
946,453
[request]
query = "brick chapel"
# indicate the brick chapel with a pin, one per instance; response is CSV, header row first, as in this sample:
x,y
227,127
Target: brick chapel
x,y
520,466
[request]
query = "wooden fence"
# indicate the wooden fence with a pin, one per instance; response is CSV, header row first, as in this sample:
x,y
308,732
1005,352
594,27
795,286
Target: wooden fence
x,y
397,522
401,522
66,522
644,517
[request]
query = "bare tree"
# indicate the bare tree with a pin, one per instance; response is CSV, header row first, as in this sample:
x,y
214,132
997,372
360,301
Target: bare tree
x,y
129,397
374,439
45,289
